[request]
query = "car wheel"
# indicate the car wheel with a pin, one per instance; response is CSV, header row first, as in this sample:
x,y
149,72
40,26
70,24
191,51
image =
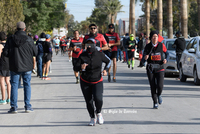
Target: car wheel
x,y
181,75
196,79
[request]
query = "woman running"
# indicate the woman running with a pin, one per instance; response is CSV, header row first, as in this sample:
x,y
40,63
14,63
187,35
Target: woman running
x,y
91,81
156,55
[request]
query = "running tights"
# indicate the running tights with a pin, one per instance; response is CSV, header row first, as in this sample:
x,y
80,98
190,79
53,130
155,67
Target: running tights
x,y
93,94
156,83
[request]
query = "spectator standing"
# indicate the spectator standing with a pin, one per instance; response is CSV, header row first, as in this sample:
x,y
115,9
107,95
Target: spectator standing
x,y
20,49
39,45
4,72
180,45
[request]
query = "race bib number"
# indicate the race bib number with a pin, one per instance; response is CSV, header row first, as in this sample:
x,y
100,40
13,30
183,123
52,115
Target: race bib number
x,y
156,56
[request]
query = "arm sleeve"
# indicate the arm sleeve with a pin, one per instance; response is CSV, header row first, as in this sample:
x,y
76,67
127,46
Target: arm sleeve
x,y
166,52
175,43
106,60
117,37
71,44
84,40
164,48
104,42
6,49
127,44
34,49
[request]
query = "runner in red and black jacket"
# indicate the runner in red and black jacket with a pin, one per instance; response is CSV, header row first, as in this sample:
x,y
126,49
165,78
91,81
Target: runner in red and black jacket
x,y
101,43
113,41
63,46
76,47
156,55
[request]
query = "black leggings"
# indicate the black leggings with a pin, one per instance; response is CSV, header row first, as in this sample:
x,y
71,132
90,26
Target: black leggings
x,y
156,83
93,93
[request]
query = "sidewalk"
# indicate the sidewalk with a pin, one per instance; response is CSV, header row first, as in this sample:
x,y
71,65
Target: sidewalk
x,y
59,106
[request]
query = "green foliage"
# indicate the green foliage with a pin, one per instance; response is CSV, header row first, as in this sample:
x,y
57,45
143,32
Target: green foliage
x,y
43,15
11,12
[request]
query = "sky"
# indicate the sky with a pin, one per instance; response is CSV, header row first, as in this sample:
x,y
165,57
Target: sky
x,y
82,9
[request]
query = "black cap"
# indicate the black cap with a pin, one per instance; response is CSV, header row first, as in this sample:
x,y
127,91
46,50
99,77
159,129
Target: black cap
x,y
42,35
127,34
178,32
92,25
152,33
111,26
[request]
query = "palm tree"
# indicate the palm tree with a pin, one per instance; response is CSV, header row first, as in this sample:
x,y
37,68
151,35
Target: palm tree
x,y
184,18
160,16
198,2
111,8
170,19
147,14
132,17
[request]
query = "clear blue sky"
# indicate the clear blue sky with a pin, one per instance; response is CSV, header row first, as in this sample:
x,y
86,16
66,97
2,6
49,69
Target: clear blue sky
x,y
82,9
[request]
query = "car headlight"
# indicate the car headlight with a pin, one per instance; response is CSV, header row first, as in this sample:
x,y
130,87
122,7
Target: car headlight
x,y
172,58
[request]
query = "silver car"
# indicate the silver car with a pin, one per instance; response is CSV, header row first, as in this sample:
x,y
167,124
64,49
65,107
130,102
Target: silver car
x,y
190,61
171,65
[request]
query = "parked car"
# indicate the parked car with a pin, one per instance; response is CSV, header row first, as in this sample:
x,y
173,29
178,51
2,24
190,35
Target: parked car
x,y
171,65
190,61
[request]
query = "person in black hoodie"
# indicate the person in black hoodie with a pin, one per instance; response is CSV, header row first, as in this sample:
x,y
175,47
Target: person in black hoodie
x,y
180,45
90,64
20,49
156,55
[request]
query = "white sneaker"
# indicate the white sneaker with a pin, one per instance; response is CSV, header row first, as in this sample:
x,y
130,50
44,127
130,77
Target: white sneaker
x,y
92,122
100,119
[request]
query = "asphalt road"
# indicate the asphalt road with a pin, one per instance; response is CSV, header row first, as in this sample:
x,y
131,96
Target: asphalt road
x,y
59,106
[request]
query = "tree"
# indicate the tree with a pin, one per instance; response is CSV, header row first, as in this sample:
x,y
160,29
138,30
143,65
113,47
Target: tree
x,y
132,17
11,12
184,18
43,15
112,7
160,16
198,2
170,19
147,14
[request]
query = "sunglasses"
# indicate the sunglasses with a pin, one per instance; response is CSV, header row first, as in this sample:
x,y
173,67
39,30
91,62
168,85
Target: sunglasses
x,y
93,28
90,44
111,27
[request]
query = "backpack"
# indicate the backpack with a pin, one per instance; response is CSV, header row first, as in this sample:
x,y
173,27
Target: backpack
x,y
40,47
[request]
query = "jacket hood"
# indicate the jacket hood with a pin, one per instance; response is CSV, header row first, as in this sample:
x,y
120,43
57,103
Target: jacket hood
x,y
182,38
20,38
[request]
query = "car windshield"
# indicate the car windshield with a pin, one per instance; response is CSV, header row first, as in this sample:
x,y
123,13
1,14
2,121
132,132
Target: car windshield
x,y
169,45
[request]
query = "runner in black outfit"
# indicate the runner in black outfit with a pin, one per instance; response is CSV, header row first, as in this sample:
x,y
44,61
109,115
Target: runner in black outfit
x,y
154,54
46,59
91,81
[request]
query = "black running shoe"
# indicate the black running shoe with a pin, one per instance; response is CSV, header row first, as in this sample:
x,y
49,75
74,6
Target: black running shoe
x,y
128,66
77,81
109,79
132,68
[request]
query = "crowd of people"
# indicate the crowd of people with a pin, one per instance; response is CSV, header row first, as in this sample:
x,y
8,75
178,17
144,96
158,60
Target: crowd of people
x,y
21,54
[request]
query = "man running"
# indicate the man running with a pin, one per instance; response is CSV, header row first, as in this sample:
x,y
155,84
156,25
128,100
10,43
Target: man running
x,y
63,46
100,40
113,41
56,44
131,45
76,47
